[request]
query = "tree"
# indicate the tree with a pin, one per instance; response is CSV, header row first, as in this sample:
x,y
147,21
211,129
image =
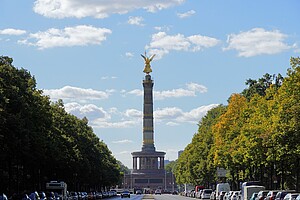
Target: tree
x,y
288,127
40,141
24,120
261,85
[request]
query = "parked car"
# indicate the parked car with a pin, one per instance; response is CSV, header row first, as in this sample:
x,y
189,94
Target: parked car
x,y
84,195
113,192
73,196
91,196
271,195
34,196
25,197
3,196
235,195
138,192
254,195
291,196
157,191
262,194
50,195
98,195
42,196
198,194
227,195
57,196
221,195
213,195
281,194
125,193
206,193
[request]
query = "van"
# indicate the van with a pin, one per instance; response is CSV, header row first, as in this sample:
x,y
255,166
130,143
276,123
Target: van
x,y
225,187
249,190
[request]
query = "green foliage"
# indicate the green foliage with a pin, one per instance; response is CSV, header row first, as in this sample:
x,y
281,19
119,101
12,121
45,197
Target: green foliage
x,y
255,137
195,165
171,167
40,141
261,85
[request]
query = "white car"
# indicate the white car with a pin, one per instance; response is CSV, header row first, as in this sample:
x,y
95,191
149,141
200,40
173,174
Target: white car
x,y
158,191
235,195
205,194
291,196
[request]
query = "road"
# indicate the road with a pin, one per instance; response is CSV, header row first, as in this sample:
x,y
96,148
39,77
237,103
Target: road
x,y
155,197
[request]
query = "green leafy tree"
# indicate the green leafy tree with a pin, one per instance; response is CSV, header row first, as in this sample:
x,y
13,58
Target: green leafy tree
x,y
40,141
261,85
287,136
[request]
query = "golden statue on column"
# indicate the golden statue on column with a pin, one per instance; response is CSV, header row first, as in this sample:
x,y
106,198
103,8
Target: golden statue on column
x,y
147,68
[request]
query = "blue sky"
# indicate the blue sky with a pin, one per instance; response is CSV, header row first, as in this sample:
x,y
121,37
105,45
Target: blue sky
x,y
87,52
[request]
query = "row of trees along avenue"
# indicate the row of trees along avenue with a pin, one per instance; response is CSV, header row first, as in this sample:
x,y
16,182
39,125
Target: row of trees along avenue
x,y
255,137
40,141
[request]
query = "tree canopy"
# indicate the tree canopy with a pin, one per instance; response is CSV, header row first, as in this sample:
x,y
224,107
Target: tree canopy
x,y
255,137
41,142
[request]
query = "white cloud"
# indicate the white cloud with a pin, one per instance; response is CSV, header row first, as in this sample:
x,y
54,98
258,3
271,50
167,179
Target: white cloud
x,y
136,21
175,116
122,142
162,28
108,77
196,87
99,118
81,35
195,115
97,9
129,54
168,113
129,118
162,43
133,113
186,14
113,118
172,124
90,111
171,116
136,92
257,41
10,31
174,93
75,93
190,91
98,123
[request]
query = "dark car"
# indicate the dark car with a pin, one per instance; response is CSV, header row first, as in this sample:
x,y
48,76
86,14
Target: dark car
x,y
271,195
125,193
281,194
138,192
42,196
222,194
73,196
3,197
262,194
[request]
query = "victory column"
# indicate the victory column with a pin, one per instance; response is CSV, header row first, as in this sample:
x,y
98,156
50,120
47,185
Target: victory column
x,y
148,171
